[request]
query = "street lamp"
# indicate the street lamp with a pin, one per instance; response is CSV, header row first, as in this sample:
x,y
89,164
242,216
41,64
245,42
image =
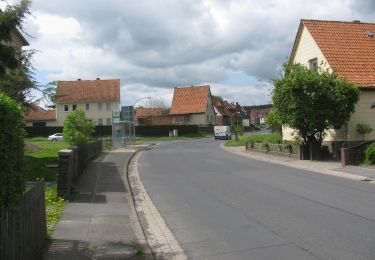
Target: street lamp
x,y
139,99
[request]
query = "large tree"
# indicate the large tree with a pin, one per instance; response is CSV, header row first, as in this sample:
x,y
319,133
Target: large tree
x,y
312,102
16,71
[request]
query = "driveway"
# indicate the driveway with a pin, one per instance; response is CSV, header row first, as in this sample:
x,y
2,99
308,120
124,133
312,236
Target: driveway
x,y
224,206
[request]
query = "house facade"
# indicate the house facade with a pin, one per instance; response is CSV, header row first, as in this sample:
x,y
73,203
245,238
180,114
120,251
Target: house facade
x,y
192,106
258,113
96,97
348,48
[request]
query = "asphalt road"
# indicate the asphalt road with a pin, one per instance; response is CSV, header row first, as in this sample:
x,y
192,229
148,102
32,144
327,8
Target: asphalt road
x,y
224,206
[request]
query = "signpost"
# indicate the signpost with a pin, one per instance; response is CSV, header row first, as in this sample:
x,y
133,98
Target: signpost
x,y
115,116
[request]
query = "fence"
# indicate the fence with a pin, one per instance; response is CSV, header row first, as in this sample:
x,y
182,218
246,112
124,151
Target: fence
x,y
72,162
273,148
24,230
354,155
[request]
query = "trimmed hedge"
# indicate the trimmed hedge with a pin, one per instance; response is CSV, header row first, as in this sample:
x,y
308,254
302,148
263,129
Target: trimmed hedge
x,y
163,130
105,130
12,184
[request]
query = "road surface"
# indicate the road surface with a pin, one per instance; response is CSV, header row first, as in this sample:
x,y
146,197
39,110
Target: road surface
x,y
224,206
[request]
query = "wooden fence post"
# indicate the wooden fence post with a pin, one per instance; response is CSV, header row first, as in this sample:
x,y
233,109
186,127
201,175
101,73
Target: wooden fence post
x,y
344,156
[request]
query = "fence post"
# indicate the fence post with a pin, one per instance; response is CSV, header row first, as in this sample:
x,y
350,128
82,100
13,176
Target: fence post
x,y
344,156
66,169
300,149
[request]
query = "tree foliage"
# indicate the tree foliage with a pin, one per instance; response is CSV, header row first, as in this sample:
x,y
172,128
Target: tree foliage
x,y
312,102
274,122
16,71
363,129
77,128
11,152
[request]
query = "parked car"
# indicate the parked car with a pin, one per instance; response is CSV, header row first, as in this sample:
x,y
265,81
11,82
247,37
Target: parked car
x,y
222,132
56,137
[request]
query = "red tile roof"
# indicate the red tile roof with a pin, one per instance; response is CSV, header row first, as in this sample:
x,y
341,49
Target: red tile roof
x,y
190,100
349,48
147,112
36,113
88,90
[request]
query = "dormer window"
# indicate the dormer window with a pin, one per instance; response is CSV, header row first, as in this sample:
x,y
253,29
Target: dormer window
x,y
313,64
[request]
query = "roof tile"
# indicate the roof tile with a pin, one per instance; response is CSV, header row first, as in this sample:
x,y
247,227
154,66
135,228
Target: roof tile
x,y
347,47
190,100
88,90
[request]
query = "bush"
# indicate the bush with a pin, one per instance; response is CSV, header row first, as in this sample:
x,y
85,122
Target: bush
x,y
77,128
370,155
239,129
12,184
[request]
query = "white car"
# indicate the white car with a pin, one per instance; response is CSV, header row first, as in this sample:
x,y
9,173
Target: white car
x,y
56,137
222,132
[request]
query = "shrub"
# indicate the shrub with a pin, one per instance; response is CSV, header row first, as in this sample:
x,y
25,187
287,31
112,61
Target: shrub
x,y
239,129
77,128
266,146
363,129
370,154
11,152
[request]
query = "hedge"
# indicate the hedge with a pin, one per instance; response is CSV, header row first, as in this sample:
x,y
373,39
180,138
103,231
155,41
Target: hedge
x,y
140,130
12,184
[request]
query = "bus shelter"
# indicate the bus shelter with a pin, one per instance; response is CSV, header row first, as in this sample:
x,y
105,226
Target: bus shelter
x,y
122,134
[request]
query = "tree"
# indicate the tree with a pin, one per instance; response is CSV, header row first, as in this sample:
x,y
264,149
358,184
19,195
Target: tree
x,y
312,102
363,129
77,128
158,103
16,71
274,122
12,184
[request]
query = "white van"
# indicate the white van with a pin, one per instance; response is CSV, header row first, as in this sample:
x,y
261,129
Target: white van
x,y
222,132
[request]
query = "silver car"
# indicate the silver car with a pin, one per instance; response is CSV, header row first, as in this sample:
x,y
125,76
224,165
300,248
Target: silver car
x,y
56,137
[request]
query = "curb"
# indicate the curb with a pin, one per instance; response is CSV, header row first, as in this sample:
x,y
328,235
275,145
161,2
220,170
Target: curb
x,y
331,172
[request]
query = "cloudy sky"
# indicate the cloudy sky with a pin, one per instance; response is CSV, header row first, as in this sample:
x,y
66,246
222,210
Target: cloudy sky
x,y
153,46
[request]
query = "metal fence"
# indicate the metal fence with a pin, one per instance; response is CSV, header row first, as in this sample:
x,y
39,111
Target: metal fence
x,y
24,230
357,153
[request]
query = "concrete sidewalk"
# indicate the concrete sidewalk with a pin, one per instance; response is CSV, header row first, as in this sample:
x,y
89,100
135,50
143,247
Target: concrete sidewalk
x,y
100,221
324,167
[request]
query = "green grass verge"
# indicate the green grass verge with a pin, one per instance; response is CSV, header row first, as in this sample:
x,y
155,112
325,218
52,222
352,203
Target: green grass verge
x,y
54,208
272,138
42,164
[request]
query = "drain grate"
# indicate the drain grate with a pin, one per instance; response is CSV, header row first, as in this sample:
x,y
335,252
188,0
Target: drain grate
x,y
367,179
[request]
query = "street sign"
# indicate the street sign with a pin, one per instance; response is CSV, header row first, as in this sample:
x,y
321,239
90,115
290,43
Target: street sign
x,y
115,116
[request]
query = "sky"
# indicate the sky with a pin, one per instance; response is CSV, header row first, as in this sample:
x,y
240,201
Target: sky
x,y
237,47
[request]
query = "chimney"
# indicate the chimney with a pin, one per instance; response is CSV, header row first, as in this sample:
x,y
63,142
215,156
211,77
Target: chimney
x,y
79,79
97,78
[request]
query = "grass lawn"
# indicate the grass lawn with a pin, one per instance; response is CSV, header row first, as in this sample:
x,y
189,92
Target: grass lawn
x,y
54,207
141,139
41,158
272,138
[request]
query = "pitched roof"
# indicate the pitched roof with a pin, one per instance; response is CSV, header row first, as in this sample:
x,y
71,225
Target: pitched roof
x,y
146,112
349,48
190,100
88,90
36,113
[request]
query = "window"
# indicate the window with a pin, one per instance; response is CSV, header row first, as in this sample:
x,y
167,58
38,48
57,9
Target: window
x,y
108,121
208,118
87,106
100,121
108,106
100,106
313,64
74,107
39,123
66,108
212,118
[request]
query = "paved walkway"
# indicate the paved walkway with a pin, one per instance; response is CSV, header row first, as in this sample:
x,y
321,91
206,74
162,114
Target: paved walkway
x,y
100,221
358,173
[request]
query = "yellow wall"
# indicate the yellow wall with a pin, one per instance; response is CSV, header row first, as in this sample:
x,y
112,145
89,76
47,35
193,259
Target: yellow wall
x,y
93,113
308,49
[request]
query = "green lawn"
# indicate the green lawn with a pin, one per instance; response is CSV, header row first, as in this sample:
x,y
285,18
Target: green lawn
x,y
41,163
54,208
